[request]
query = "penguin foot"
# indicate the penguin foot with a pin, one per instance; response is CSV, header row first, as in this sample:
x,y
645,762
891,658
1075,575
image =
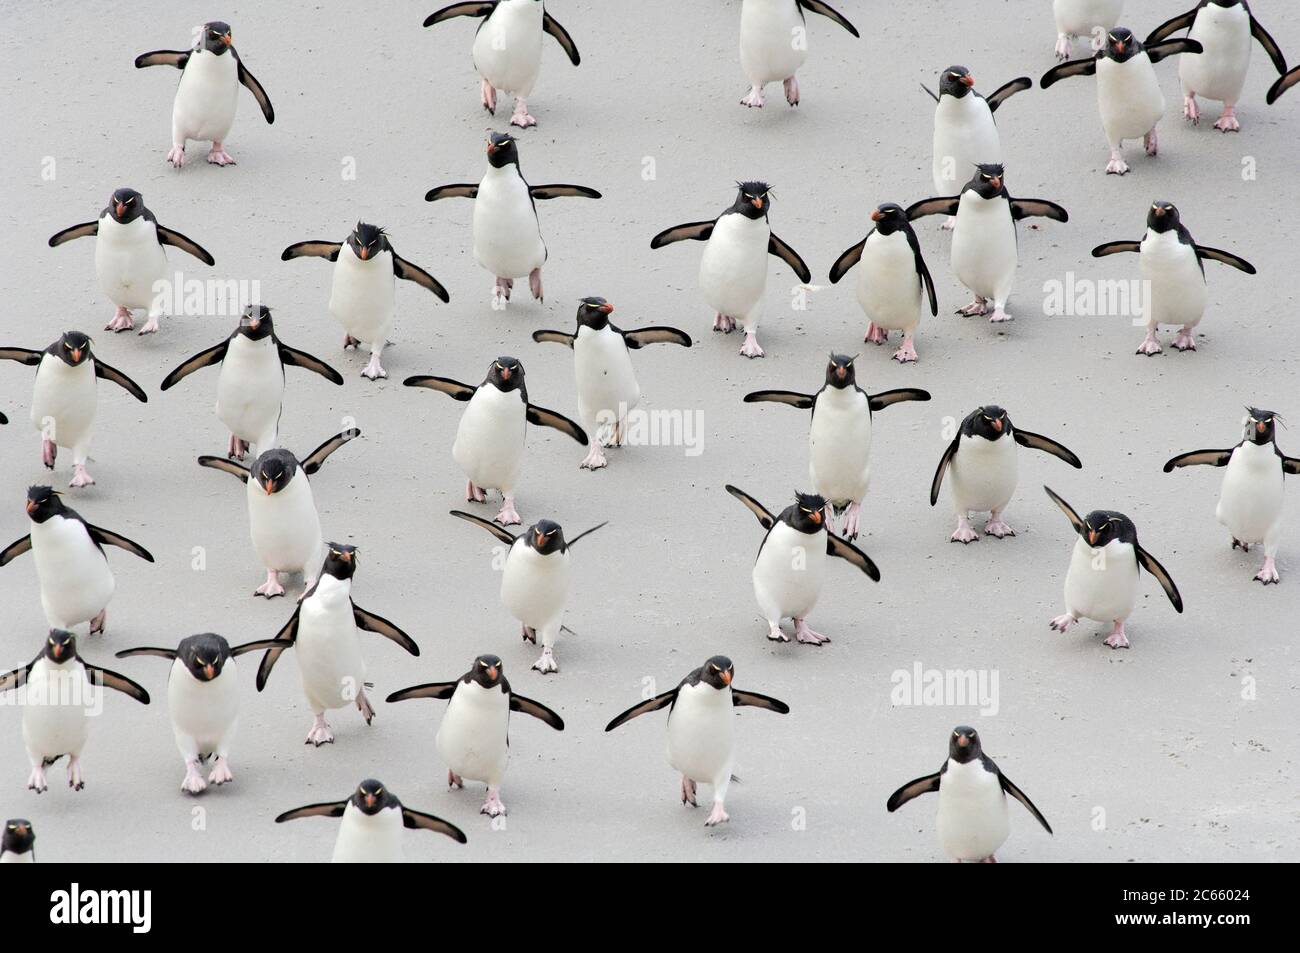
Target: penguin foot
x,y
193,783
49,451
976,307
907,353
1062,623
521,117
1185,341
493,807
74,773
750,348
81,477
755,98
1228,121
1117,639
1116,165
1268,575
501,290
999,316
364,706
724,323
802,633
36,780
964,533
688,792
1064,46
320,733
97,623
122,321
474,494
374,370
1151,143
489,97
1149,346
219,156
454,781
535,283
220,773
529,634
1191,111
717,815
990,859
851,517
546,664
150,326
1238,544
997,527
350,343
774,633
176,156
595,458
949,223
507,515
791,86
875,335
271,588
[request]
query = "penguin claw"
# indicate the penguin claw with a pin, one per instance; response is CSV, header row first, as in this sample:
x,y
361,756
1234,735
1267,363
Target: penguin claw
x,y
688,792
1117,167
1062,623
1117,639
151,327
998,528
755,98
717,816
176,156
546,664
806,636
493,807
220,157
750,348
1268,575
774,634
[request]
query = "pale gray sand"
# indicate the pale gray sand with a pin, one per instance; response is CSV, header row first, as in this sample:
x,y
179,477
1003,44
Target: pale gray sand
x,y
1159,738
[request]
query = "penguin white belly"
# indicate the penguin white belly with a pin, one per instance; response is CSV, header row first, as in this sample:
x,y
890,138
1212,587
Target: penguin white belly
x,y
489,444
206,98
369,839
789,572
1082,17
773,40
534,587
55,719
1102,584
1220,72
129,261
76,582
965,135
973,821
507,238
701,734
64,400
284,525
733,268
984,474
607,385
984,252
26,857
508,48
329,647
839,445
472,736
1177,292
1250,501
1129,98
363,295
889,288
203,713
250,390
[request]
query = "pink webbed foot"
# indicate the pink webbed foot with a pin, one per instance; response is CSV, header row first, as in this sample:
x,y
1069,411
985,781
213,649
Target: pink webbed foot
x,y
907,353
97,624
964,533
717,815
1000,315
151,326
852,516
1186,340
1062,623
75,781
176,156
271,588
774,633
804,634
1238,544
489,96
1116,165
546,664
997,526
236,449
1149,346
535,283
1268,575
36,780
750,348
474,494
350,343
791,86
320,733
1117,639
1064,46
521,117
949,223
976,307
493,807
122,321
688,792
193,782
220,773
1151,143
1228,121
454,781
507,516
755,98
49,452
501,290
219,156
595,458
528,633
875,335
724,323
81,477
364,706
374,370
990,859
1191,111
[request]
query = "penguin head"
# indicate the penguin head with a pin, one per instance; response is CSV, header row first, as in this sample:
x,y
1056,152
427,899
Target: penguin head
x,y
486,671
371,797
964,745
126,205
752,199
594,312
506,374
889,218
274,469
255,323
217,38
73,348
956,81
1122,45
60,646
808,515
1163,217
1261,425
990,422
340,561
1104,526
839,371
204,656
18,837
988,181
42,503
545,537
502,150
718,672
368,241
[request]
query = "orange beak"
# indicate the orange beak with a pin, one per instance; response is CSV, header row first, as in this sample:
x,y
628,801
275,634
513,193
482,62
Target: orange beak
x,y
997,425
726,677
491,148
210,671
346,557
758,203
997,181
877,215
365,253
505,373
492,672
370,800
121,210
816,516
1092,537
57,651
1261,427
76,353
31,507
840,372
607,308
227,39
539,538
968,80
254,323
1160,212
270,487
1120,47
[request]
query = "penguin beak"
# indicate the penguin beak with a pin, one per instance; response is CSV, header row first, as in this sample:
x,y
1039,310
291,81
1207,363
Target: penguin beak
x,y
254,324
816,516
492,672
997,182
76,354
968,81
31,507
726,677
606,308
1261,426
491,148
270,487
505,373
120,210
757,203
839,373
1160,211
963,741
370,799
346,557
997,425
364,253
227,39
22,829
877,216
1120,47
1092,537
539,538
210,671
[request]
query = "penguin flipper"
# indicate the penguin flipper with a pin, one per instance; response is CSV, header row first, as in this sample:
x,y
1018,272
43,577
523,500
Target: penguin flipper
x,y
332,809
167,236
287,637
644,708
555,337
106,537
15,549
378,624
119,683
259,645
213,355
1164,31
796,400
1211,458
888,398
454,389
586,532
467,190
850,257
176,58
851,554
1041,208
146,650
295,358
552,26
755,507
1116,248
944,205
539,711
541,417
420,820
1068,510
543,192
110,373
18,677
1007,90
788,255
923,270
642,336
691,231
313,461
1054,75
926,785
226,466
22,355
1149,563
826,10
1046,444
431,690
1172,48
946,459
312,249
254,87
1269,44
3,419
1226,258
461,10
755,700
499,532
1023,798
76,231
408,272
1282,85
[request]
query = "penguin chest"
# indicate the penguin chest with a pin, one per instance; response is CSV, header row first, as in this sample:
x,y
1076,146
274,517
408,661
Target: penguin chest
x,y
507,237
329,647
1250,502
203,713
535,587
964,135
983,474
1220,72
284,525
10,857
839,445
984,253
64,400
128,261
889,288
773,40
250,389
607,385
56,716
1102,583
1129,98
508,48
733,268
1176,285
1082,17
789,572
973,820
489,445
207,97
472,736
701,733
363,295
369,839
76,582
